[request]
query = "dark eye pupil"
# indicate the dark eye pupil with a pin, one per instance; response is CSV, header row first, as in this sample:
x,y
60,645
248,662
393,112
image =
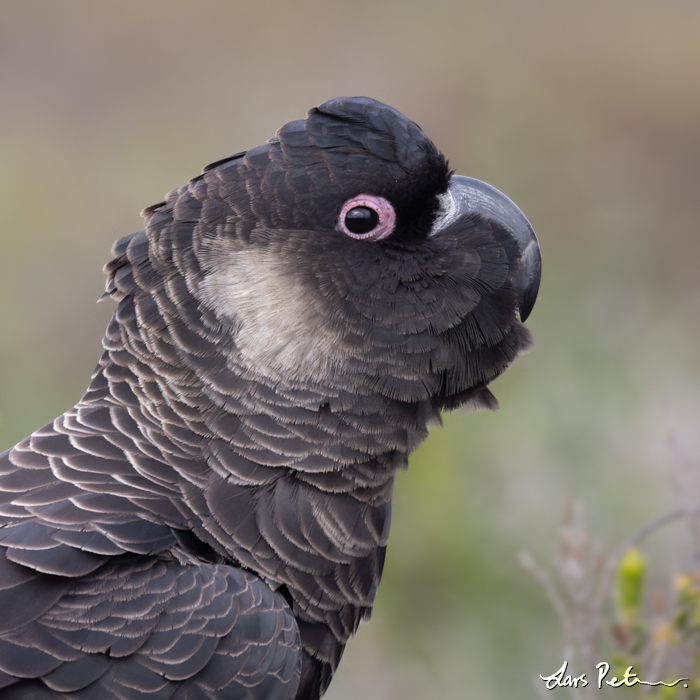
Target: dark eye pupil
x,y
361,220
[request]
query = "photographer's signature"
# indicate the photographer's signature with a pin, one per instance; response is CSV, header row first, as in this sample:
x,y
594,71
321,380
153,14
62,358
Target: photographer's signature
x,y
562,679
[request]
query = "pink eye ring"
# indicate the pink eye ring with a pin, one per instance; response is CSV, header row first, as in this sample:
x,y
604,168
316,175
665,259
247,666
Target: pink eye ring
x,y
367,218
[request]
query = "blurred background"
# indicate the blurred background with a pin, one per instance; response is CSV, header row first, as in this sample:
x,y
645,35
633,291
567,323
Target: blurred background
x,y
586,114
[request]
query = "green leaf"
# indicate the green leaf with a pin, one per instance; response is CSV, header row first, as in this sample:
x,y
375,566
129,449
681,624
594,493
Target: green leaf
x,y
631,574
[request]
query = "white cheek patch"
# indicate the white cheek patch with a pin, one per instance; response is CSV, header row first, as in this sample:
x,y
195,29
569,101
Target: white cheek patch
x,y
281,331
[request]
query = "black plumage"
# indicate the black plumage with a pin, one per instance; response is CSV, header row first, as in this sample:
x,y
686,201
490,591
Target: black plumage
x,y
210,520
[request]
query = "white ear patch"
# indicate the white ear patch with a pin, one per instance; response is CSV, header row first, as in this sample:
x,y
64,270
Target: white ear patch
x,y
281,330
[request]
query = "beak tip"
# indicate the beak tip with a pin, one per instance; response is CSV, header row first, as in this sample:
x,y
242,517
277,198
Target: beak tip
x,y
527,282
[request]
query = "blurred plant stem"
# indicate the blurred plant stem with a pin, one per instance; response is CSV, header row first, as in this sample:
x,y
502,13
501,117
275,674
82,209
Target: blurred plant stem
x,y
651,646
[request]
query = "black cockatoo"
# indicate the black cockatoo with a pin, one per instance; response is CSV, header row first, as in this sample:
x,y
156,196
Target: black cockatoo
x,y
209,521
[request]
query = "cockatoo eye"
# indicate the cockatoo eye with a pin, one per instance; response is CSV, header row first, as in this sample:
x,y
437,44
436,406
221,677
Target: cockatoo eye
x,y
367,217
361,220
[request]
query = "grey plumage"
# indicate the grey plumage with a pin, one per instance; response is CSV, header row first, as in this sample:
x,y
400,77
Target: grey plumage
x,y
210,520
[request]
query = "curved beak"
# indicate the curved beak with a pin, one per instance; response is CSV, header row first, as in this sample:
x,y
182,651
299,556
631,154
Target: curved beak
x,y
465,196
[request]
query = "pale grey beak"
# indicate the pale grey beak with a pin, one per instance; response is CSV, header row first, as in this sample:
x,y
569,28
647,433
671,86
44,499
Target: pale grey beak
x,y
465,196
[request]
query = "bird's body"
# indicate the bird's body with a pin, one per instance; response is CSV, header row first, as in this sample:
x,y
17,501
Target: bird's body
x,y
210,520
